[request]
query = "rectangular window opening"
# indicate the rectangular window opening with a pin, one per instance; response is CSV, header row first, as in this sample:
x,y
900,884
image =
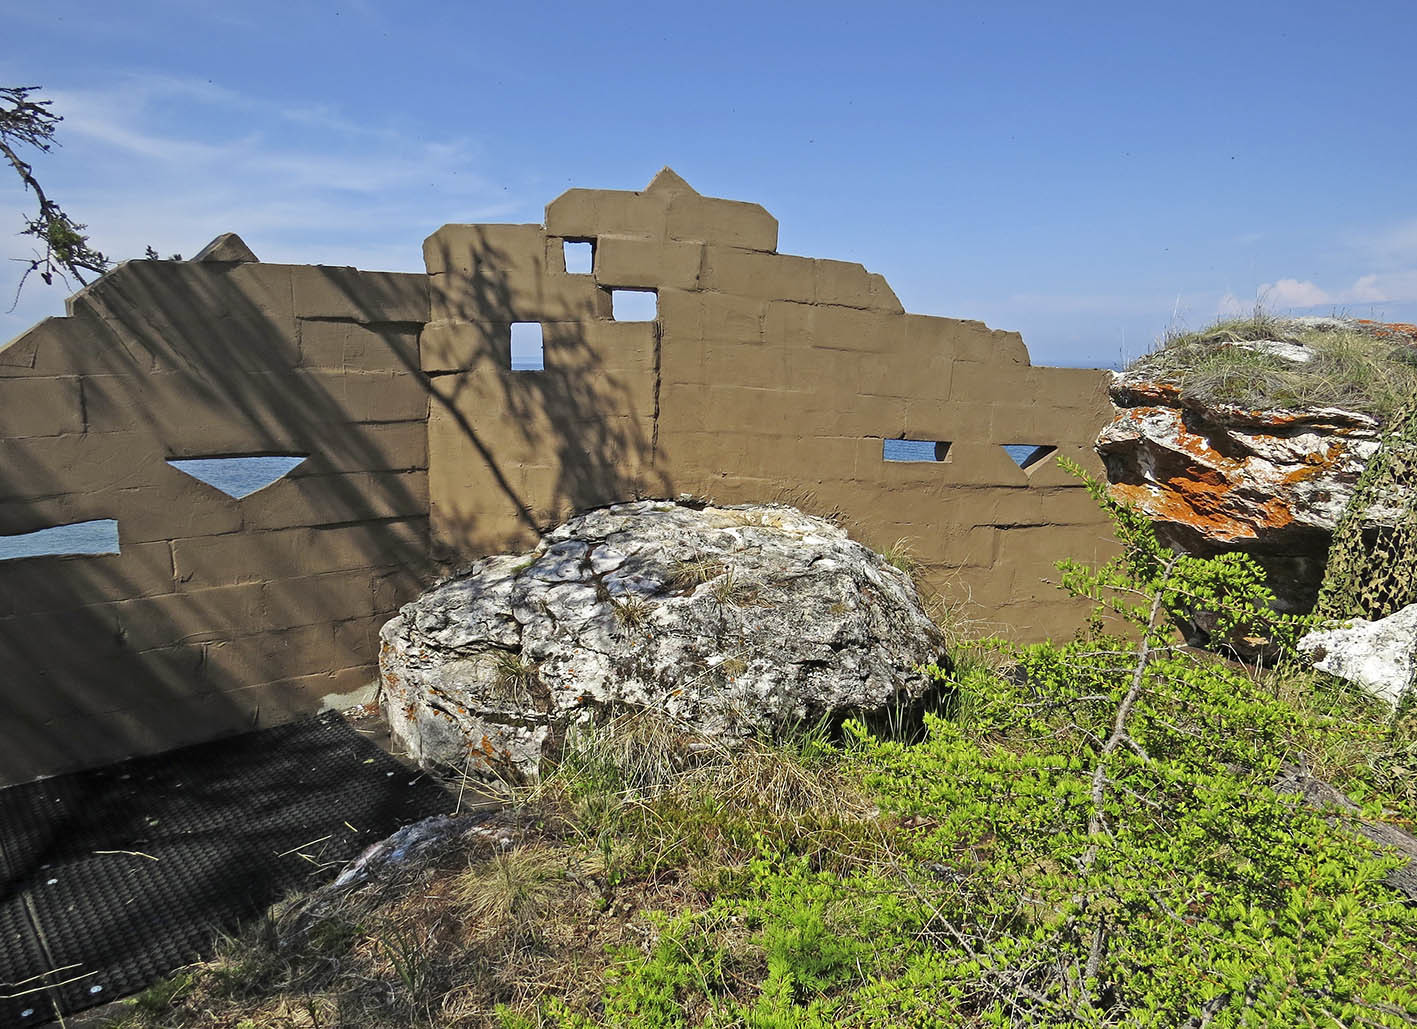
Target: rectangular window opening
x,y
634,305
528,351
579,255
915,450
80,538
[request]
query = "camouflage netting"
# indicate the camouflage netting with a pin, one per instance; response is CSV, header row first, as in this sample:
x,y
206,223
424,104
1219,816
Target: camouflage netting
x,y
1372,562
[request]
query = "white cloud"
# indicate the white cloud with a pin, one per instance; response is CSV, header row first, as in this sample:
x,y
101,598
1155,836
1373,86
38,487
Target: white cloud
x,y
1373,288
172,163
1288,293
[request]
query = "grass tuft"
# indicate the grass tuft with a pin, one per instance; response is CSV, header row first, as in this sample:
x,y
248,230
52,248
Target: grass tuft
x,y
1355,366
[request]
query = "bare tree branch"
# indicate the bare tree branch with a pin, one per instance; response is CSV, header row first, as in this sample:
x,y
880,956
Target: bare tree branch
x,y
28,122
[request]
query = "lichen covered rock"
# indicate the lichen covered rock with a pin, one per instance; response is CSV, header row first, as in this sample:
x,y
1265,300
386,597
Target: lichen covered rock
x,y
736,620
1218,477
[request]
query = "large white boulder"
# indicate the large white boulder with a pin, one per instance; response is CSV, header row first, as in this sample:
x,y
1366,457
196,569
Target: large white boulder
x,y
735,620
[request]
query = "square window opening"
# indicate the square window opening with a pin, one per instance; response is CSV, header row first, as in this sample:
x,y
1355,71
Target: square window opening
x,y
528,351
579,255
634,305
915,450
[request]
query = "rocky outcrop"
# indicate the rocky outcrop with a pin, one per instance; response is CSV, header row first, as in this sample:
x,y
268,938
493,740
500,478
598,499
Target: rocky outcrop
x,y
735,620
1376,656
1216,477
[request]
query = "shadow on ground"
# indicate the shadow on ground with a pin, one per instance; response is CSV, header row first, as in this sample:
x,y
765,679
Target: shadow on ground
x,y
114,877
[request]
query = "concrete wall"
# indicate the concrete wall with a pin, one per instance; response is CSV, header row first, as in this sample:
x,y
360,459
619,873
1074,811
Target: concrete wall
x,y
219,614
763,377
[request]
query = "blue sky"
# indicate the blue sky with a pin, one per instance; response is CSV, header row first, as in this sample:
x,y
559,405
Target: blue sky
x,y
1085,173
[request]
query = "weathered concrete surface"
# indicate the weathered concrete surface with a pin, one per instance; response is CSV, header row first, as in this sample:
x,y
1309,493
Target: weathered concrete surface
x,y
765,376
1272,484
219,614
733,620
1377,655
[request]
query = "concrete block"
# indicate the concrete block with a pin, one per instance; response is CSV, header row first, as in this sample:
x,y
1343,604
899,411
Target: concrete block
x,y
729,317
324,291
965,340
373,396
335,499
680,312
377,447
349,346
40,407
321,599
843,283
991,383
883,297
788,323
356,640
280,654
69,346
953,420
196,616
43,466
762,275
1081,389
292,553
462,346
722,222
845,328
491,255
178,506
56,584
208,318
747,364
589,213
628,262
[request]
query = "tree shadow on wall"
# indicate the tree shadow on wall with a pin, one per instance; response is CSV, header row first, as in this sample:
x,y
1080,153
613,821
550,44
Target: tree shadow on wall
x,y
575,434
221,614
218,614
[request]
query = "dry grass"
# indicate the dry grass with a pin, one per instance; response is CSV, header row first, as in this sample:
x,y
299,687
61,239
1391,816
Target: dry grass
x,y
633,613
694,572
643,815
1355,367
901,555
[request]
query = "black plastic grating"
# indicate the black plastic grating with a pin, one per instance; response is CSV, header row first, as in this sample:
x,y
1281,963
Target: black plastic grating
x,y
213,834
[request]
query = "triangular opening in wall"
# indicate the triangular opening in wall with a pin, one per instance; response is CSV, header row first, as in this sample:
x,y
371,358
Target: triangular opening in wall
x,y
239,477
1029,455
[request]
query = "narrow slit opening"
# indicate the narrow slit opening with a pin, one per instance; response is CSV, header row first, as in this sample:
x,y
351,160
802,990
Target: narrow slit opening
x,y
99,536
915,450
